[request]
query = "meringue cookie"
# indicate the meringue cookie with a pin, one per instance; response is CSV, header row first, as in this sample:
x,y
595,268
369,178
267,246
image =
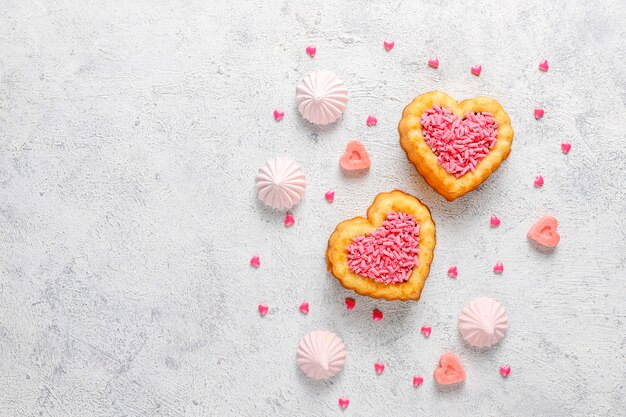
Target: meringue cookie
x,y
321,97
321,354
483,322
280,183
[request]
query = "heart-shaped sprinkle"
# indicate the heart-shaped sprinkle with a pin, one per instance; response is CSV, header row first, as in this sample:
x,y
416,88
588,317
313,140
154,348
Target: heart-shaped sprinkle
x,y
494,221
289,220
344,402
388,45
355,158
417,381
433,62
350,303
255,262
544,232
371,121
304,308
377,315
543,65
505,370
278,115
538,181
498,268
565,147
450,370
329,196
263,308
539,112
476,69
426,330
459,143
311,50
379,368
453,272
388,254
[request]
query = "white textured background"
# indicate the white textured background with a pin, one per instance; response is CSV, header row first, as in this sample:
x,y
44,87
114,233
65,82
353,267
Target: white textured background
x,y
130,135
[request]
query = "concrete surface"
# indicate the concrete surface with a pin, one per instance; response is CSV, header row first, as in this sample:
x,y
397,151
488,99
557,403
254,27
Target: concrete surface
x,y
130,135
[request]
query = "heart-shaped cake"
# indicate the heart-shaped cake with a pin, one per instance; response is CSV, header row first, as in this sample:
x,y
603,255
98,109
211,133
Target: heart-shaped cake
x,y
388,254
455,146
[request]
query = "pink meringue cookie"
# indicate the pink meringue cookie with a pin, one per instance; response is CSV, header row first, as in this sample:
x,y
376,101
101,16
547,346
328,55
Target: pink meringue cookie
x,y
321,97
321,354
280,183
483,322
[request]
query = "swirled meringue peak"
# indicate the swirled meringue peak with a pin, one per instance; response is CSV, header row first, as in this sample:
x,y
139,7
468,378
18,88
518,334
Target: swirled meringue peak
x,y
483,322
321,97
321,354
280,183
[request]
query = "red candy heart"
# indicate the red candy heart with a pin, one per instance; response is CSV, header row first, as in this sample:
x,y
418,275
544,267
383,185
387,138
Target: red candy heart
x,y
544,232
371,121
255,262
565,147
350,303
388,45
311,50
453,272
329,196
344,402
426,330
289,220
417,381
278,115
379,368
505,371
377,315
450,370
304,308
539,112
355,158
263,309
476,69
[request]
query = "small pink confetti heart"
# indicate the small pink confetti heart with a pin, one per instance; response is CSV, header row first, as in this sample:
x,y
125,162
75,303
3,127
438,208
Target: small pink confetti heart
x,y
505,370
344,402
539,112
476,69
494,221
498,268
388,45
350,303
433,62
329,196
417,381
377,315
543,65
263,309
371,121
278,115
379,368
255,261
453,272
565,147
289,220
311,50
304,308
538,181
426,330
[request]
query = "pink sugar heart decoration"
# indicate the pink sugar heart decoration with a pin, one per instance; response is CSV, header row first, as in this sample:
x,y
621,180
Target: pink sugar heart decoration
x,y
494,221
476,69
255,262
539,112
263,308
278,115
426,330
543,65
453,272
289,220
304,308
311,50
371,121
379,368
329,196
433,62
377,315
388,45
498,268
565,147
505,370
417,381
344,402
350,303
544,232
538,181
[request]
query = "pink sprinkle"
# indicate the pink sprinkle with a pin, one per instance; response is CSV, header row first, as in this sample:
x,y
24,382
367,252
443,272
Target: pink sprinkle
x,y
539,112
371,121
565,147
494,221
538,181
417,381
426,330
329,196
379,368
476,69
289,220
278,115
255,261
304,308
498,268
350,303
344,402
389,254
543,65
453,272
460,144
377,315
433,62
311,50
388,45
505,370
263,308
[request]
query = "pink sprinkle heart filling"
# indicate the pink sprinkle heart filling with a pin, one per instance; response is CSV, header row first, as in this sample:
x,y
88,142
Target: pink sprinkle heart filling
x,y
459,143
389,254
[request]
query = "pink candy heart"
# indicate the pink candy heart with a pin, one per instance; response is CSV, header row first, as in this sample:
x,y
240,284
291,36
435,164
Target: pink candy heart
x,y
388,45
263,308
505,370
476,69
371,121
538,181
304,308
289,220
539,112
417,381
377,315
311,50
344,402
494,221
433,62
453,272
543,65
426,330
565,147
255,261
350,303
498,268
379,368
329,196
278,115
